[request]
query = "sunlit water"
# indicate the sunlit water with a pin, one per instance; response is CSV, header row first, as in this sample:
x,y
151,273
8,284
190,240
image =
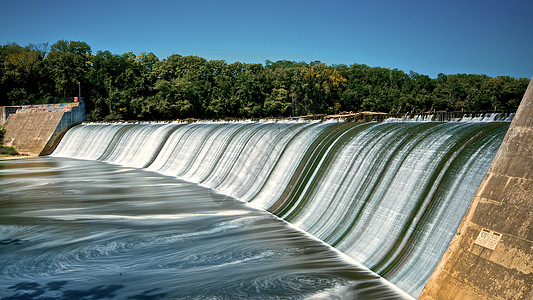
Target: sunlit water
x,y
79,229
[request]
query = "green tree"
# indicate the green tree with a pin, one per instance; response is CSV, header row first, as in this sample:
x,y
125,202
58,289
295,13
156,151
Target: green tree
x,y
21,75
68,63
129,86
278,103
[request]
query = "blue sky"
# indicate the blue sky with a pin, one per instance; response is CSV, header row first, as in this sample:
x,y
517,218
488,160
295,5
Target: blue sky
x,y
429,37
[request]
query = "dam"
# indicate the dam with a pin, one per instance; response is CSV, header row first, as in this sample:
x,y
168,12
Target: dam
x,y
388,195
395,197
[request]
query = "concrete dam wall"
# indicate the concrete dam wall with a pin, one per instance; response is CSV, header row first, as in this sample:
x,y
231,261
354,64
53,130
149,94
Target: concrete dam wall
x,y
36,129
491,256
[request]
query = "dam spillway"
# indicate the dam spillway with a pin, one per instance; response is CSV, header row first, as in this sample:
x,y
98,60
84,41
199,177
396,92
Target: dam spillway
x,y
389,195
473,268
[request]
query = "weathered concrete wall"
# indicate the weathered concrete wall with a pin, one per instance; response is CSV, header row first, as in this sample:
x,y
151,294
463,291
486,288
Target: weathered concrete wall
x,y
39,131
503,204
5,111
30,133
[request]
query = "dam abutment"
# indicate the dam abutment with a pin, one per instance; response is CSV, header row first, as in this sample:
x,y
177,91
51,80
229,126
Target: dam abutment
x,y
491,256
37,129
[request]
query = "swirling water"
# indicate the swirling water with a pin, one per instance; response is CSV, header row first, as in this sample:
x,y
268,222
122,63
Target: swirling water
x,y
72,229
389,195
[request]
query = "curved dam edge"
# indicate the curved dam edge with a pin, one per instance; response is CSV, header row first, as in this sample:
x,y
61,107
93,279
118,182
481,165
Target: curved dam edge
x,y
491,256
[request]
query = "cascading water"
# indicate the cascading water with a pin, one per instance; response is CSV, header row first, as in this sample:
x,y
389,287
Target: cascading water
x,y
390,195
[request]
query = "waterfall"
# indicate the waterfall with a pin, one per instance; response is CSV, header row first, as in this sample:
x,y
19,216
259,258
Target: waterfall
x,y
390,195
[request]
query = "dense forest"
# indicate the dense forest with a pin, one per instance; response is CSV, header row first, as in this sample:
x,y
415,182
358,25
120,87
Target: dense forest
x,y
143,87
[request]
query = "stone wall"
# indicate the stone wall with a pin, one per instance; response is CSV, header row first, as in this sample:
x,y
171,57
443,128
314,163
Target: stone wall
x,y
491,256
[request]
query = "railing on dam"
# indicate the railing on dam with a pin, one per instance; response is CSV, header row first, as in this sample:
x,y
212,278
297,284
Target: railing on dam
x,y
77,110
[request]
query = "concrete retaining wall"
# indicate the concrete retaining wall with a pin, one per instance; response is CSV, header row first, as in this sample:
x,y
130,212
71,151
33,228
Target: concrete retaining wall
x,y
491,256
37,132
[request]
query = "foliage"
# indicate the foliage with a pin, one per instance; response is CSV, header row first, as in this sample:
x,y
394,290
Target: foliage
x,y
142,87
8,151
3,149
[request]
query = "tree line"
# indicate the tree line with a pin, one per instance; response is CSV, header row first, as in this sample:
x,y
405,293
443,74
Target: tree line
x,y
143,87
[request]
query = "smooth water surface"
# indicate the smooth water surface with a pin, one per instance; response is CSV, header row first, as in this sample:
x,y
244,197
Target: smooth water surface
x,y
81,229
